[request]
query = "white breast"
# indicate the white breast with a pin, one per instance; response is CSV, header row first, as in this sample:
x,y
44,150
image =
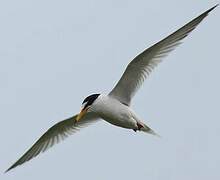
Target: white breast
x,y
114,112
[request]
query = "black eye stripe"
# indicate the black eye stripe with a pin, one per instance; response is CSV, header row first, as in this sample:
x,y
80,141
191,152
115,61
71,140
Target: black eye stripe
x,y
90,99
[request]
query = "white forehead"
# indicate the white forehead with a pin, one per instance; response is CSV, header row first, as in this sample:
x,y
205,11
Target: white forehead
x,y
83,104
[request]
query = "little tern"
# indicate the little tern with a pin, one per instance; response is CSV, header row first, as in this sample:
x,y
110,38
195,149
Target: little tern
x,y
115,106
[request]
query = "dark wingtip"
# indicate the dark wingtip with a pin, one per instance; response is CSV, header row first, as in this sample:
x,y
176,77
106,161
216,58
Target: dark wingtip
x,y
9,169
208,11
212,8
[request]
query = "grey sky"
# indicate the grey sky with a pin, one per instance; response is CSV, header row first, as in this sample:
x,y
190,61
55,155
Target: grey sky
x,y
55,53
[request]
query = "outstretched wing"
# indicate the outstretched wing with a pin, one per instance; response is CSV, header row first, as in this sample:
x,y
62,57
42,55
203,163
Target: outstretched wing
x,y
142,65
56,133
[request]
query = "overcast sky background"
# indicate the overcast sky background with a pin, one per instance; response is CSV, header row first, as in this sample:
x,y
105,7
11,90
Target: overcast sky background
x,y
55,53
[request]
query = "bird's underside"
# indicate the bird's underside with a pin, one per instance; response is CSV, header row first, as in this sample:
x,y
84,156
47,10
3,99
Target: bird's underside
x,y
133,77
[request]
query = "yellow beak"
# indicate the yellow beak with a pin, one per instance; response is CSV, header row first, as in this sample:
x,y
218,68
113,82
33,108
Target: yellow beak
x,y
83,111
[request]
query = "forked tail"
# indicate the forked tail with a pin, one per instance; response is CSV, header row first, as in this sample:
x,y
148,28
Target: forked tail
x,y
143,127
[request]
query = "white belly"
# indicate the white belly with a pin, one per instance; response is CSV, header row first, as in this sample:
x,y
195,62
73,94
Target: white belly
x,y
115,112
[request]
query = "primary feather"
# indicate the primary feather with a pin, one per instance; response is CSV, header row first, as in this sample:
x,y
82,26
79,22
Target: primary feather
x,y
143,64
54,135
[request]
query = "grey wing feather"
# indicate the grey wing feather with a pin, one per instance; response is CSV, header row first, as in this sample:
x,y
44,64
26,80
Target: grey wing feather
x,y
58,132
142,65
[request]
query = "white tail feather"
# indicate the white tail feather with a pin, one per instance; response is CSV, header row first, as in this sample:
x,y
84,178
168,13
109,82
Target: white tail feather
x,y
146,129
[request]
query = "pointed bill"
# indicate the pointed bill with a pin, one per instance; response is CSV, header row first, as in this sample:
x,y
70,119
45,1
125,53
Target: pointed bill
x,y
83,111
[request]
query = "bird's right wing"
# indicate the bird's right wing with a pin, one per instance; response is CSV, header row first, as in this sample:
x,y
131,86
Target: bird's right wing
x,y
56,133
142,65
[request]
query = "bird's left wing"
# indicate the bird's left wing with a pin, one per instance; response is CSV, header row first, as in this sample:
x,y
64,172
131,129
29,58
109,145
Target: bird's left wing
x,y
56,133
141,66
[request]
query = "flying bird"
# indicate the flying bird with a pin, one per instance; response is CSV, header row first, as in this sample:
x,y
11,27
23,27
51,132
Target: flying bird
x,y
115,106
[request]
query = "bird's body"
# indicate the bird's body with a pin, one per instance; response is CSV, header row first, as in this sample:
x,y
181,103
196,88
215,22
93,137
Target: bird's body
x,y
115,106
114,112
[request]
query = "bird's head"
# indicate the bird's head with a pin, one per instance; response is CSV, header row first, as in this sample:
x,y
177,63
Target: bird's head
x,y
86,104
